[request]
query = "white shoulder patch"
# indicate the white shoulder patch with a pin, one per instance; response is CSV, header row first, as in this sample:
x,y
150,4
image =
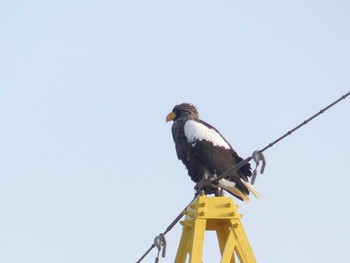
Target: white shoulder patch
x,y
196,131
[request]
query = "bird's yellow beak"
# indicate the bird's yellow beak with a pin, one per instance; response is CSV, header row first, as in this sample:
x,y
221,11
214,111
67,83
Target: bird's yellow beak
x,y
171,116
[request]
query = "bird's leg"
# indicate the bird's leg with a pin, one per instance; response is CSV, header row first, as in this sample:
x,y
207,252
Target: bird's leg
x,y
198,190
218,191
205,185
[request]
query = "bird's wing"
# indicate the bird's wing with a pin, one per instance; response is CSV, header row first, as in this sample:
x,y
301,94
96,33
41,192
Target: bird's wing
x,y
199,130
212,148
214,152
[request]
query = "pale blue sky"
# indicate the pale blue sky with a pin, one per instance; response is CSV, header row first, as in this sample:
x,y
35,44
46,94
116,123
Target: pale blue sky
x,y
88,170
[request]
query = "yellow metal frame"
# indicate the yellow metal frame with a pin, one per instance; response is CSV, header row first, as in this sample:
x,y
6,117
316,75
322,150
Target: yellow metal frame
x,y
209,214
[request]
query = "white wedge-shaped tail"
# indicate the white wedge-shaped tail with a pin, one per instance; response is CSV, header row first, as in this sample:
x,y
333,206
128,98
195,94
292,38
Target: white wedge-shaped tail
x,y
252,189
231,188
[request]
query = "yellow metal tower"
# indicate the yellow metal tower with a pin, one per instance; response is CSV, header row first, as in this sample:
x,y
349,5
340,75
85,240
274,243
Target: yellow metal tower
x,y
214,214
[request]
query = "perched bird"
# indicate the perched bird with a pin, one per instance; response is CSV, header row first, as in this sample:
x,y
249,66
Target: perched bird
x,y
204,152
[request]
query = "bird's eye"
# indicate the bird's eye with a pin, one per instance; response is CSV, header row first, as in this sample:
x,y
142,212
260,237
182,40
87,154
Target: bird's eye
x,y
177,113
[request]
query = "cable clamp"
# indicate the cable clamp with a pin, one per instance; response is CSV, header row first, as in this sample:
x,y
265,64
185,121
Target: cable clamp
x,y
159,242
257,156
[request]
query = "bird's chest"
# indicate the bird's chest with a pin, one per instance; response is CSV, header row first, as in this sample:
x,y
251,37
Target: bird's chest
x,y
182,146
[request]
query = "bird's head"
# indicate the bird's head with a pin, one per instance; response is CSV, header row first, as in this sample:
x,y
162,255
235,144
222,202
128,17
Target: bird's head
x,y
184,111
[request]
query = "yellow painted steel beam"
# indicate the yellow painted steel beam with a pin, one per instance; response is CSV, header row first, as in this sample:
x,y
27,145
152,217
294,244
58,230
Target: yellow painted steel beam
x,y
213,214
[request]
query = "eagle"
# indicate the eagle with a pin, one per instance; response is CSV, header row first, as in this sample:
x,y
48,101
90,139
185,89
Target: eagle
x,y
205,152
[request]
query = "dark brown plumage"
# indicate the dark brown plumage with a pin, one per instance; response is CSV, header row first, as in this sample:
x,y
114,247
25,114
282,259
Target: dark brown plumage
x,y
203,150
